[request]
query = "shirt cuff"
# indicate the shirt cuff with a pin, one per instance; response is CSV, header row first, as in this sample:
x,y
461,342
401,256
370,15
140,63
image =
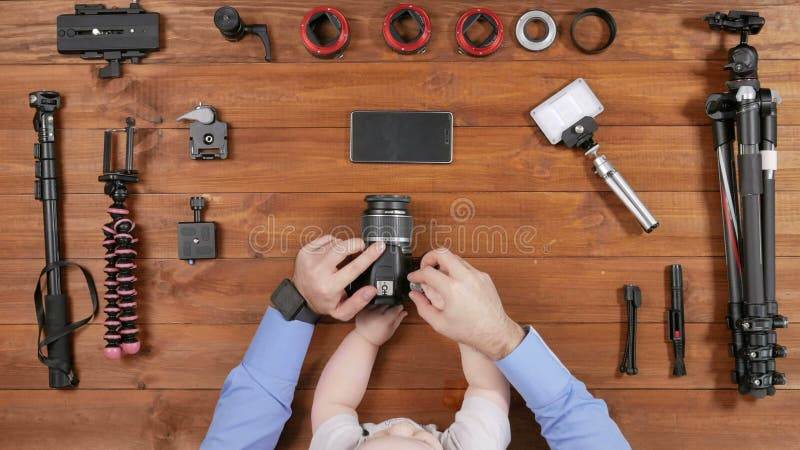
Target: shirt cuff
x,y
535,371
279,346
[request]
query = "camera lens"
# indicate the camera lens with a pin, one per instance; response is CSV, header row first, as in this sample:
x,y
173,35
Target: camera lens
x,y
386,219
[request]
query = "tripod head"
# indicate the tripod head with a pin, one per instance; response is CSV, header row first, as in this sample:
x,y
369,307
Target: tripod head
x,y
46,103
745,22
742,59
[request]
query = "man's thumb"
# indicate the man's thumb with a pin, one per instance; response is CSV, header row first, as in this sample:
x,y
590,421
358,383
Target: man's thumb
x,y
426,310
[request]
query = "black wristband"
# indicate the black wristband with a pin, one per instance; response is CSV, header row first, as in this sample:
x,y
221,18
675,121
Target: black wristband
x,y
291,304
307,315
606,17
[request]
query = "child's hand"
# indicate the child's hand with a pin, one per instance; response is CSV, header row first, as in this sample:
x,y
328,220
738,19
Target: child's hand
x,y
377,324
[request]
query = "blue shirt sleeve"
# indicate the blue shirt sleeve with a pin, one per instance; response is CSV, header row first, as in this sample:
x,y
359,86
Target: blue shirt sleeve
x,y
569,416
256,398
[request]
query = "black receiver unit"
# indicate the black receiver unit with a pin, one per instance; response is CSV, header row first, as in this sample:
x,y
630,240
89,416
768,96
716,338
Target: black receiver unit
x,y
114,34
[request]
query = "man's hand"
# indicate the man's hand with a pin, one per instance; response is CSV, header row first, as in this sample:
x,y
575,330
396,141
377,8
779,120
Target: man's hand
x,y
320,281
462,303
377,324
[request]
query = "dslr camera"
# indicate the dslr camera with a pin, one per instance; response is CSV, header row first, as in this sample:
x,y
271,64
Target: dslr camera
x,y
387,219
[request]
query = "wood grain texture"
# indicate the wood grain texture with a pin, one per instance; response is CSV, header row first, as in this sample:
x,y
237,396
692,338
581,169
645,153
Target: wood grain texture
x,y
647,31
520,224
569,247
659,159
324,95
235,291
591,351
178,419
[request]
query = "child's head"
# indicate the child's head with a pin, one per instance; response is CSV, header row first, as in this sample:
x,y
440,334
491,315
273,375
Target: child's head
x,y
401,436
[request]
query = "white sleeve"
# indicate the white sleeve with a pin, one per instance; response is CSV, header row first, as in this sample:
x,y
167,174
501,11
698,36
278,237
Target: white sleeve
x,y
341,432
479,425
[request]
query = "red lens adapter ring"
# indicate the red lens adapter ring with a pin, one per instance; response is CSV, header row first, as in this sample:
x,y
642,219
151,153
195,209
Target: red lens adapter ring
x,y
397,42
331,49
487,47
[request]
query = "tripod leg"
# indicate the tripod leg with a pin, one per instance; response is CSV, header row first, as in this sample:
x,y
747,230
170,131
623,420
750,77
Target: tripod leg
x,y
723,138
751,188
756,321
769,163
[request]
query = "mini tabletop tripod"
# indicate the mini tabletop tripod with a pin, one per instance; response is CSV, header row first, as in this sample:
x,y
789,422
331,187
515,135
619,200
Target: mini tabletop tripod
x,y
120,293
749,231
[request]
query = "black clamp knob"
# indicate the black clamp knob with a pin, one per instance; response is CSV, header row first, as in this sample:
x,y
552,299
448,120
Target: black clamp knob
x,y
230,24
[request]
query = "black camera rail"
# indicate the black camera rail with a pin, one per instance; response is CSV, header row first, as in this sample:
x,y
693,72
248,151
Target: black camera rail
x,y
113,34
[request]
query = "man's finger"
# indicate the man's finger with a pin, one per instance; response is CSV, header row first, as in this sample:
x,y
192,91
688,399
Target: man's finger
x,y
348,308
434,297
448,262
339,250
465,263
428,312
318,242
356,267
431,277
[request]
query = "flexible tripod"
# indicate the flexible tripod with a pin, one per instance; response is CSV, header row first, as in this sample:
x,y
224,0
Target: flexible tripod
x,y
749,232
51,314
120,292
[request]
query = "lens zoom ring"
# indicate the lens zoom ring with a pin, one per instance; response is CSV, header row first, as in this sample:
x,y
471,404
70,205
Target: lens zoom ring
x,y
386,227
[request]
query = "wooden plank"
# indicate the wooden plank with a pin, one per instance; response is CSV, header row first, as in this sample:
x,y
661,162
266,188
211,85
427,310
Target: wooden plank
x,y
324,95
645,29
549,290
289,173
179,419
82,418
471,224
301,160
200,357
702,419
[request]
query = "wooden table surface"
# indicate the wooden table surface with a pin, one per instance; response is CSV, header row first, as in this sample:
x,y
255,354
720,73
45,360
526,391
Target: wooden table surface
x,y
559,245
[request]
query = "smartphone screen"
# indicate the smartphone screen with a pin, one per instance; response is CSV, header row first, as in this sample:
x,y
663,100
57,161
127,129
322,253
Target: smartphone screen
x,y
401,137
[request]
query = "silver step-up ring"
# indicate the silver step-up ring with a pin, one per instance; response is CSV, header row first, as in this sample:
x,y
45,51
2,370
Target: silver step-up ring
x,y
536,45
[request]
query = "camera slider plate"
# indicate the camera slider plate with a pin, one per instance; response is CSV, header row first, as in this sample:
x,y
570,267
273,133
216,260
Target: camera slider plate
x,y
114,34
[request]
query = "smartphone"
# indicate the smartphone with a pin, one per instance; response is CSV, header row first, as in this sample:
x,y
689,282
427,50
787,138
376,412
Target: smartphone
x,y
401,137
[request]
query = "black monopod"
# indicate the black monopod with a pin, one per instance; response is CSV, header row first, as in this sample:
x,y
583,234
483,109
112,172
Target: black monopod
x,y
51,313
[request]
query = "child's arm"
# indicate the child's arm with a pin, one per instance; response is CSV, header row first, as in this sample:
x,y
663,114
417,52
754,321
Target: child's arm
x,y
484,378
344,379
